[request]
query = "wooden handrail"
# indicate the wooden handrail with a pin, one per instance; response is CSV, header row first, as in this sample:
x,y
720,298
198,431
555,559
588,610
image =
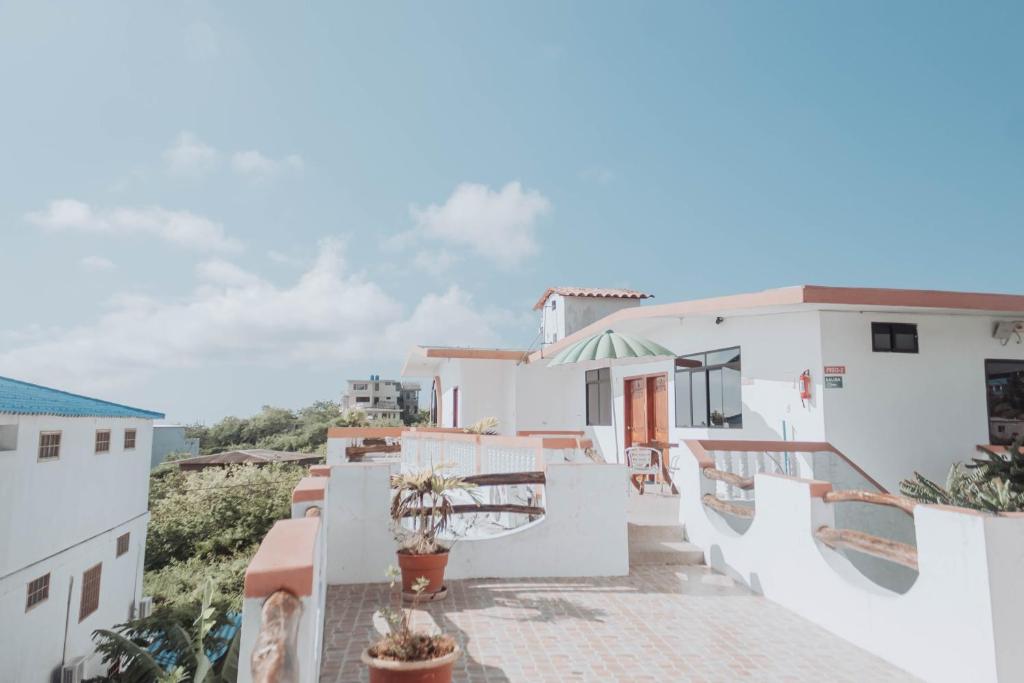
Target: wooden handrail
x,y
873,498
869,544
274,655
728,508
745,483
483,507
506,478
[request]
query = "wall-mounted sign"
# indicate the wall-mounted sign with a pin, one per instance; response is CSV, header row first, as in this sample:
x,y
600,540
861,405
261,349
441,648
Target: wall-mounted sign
x,y
835,369
833,381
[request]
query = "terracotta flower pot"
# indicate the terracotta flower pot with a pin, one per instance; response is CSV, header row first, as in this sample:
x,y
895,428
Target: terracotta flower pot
x,y
431,671
431,566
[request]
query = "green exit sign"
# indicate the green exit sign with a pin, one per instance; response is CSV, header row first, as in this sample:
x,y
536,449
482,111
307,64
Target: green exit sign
x,y
833,381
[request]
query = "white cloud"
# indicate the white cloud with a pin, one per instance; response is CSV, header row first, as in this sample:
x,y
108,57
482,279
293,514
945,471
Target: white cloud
x,y
499,225
190,156
181,228
95,264
434,261
326,318
257,166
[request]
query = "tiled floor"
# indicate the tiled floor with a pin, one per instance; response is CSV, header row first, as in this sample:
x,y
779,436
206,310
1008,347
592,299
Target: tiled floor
x,y
661,623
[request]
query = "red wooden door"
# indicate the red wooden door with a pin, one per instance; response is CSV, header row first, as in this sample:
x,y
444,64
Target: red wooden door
x,y
636,412
657,414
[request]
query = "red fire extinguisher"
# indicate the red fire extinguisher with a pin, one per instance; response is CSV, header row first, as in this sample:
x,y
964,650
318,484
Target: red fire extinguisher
x,y
805,385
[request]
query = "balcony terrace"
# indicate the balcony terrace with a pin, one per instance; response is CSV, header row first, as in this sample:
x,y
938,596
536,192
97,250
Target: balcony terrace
x,y
577,579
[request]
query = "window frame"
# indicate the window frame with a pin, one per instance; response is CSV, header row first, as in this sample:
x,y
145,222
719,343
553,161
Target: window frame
x,y
39,449
891,331
38,595
705,370
91,585
601,420
135,438
123,544
96,442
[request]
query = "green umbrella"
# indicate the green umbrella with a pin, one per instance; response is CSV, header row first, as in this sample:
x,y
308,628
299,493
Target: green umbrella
x,y
609,345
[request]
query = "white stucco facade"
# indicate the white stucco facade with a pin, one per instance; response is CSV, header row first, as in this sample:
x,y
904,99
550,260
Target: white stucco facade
x,y
895,413
60,517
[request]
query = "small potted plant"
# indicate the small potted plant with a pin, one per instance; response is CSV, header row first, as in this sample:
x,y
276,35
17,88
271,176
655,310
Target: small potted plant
x,y
424,498
405,655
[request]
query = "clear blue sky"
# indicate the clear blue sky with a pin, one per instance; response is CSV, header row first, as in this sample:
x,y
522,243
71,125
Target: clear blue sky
x,y
211,206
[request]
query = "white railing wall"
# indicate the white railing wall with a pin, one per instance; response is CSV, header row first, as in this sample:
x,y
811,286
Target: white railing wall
x,y
962,618
575,537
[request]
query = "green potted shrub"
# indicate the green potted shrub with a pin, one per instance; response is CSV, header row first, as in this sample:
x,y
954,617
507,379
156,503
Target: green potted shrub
x,y
405,655
424,498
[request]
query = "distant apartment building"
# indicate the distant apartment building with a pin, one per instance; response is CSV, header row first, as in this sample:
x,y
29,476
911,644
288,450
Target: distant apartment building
x,y
74,486
382,399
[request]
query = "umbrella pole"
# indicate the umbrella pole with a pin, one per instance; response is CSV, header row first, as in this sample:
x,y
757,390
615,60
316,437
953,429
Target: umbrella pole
x,y
615,431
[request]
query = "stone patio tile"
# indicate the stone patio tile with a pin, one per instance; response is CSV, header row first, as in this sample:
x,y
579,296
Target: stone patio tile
x,y
675,623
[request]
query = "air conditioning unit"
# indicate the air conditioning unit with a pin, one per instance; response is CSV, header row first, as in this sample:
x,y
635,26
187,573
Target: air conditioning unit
x,y
1009,329
144,608
73,671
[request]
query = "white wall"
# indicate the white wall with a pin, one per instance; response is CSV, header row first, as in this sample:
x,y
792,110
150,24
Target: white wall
x,y
63,516
775,350
574,538
32,642
486,389
897,412
962,620
47,506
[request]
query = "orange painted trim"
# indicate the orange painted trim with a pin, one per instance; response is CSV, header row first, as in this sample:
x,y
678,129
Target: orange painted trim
x,y
591,293
803,294
545,432
309,488
477,354
788,447
319,470
362,432
817,488
767,446
564,442
284,560
704,460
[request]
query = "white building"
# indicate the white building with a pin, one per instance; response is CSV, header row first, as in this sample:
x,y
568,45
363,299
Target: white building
x,y
898,380
386,399
74,485
565,310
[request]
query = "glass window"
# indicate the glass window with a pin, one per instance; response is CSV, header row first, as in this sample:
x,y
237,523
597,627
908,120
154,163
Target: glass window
x,y
1004,389
129,439
49,445
599,396
684,415
90,592
102,440
894,337
122,544
38,591
699,397
709,389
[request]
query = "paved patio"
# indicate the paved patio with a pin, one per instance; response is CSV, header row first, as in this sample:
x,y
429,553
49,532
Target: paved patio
x,y
661,623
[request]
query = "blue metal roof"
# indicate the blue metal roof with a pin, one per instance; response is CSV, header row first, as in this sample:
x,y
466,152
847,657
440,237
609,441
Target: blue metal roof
x,y
23,398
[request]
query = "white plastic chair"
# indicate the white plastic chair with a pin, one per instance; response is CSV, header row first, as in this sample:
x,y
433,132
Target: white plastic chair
x,y
640,461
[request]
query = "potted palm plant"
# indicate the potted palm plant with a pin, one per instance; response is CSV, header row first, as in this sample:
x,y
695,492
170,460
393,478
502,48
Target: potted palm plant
x,y
405,655
425,499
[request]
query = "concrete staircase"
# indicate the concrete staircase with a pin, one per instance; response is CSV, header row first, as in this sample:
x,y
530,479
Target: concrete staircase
x,y
651,544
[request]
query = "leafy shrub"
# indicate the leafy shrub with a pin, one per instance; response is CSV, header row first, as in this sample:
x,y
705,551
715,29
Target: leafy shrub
x,y
216,512
992,484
